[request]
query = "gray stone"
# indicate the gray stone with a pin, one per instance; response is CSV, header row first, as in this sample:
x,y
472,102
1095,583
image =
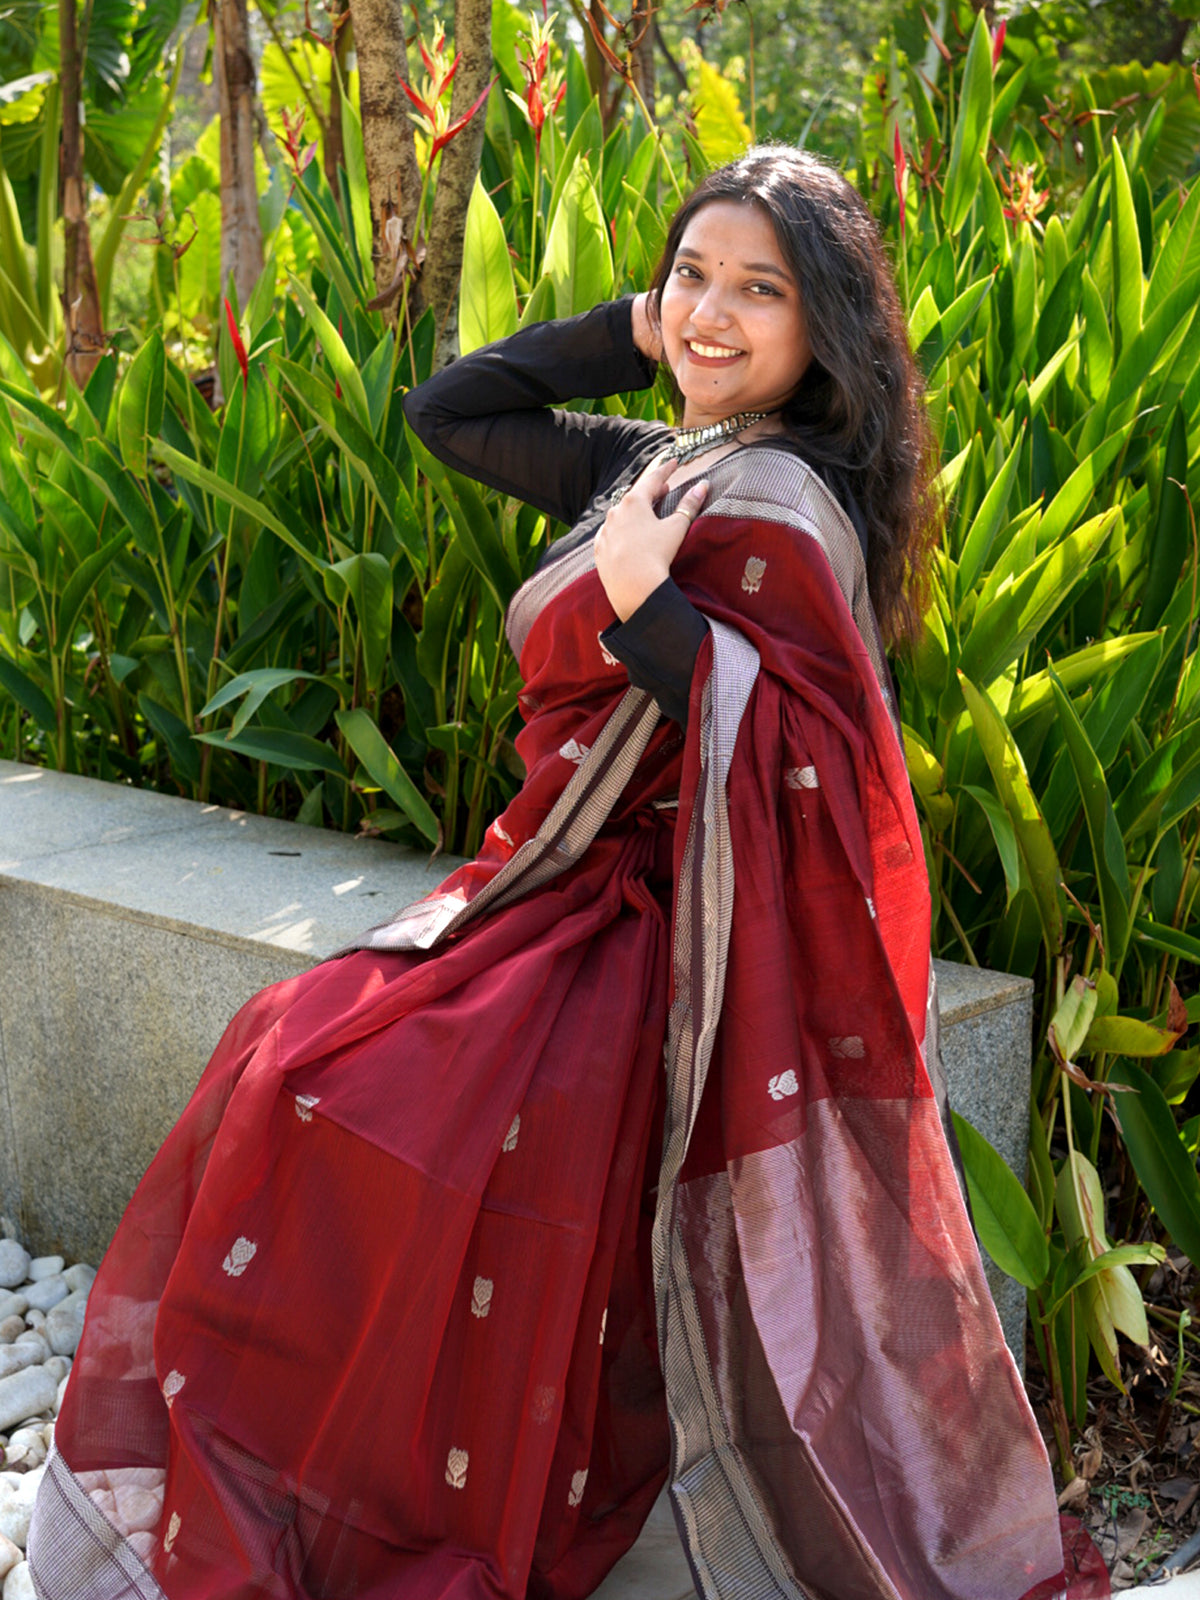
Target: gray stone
x,y
24,1395
986,1029
10,1328
46,1294
80,1276
45,1267
13,1305
58,1367
14,1263
31,1339
26,1448
10,1556
64,1325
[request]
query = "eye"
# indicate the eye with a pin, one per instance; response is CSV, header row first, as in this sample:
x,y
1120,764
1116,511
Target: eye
x,y
765,289
684,270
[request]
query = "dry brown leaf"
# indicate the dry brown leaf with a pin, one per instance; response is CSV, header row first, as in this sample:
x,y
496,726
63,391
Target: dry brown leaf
x,y
1074,1495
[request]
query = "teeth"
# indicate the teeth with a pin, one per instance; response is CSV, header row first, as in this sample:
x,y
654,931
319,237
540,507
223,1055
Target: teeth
x,y
716,350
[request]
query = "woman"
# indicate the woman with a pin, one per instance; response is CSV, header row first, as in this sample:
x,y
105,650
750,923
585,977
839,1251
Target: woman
x,y
439,1278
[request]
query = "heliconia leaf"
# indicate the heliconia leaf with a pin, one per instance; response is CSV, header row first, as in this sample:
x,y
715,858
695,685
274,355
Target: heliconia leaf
x,y
1126,256
1091,666
203,478
988,519
294,752
1128,1036
81,583
1003,1214
1003,834
372,749
1074,1016
1097,336
1165,1169
578,259
1012,785
1080,1205
487,305
255,686
341,362
140,403
1170,541
971,128
26,693
367,578
1178,257
1108,846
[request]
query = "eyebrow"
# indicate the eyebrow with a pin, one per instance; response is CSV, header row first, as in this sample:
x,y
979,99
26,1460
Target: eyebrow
x,y
747,266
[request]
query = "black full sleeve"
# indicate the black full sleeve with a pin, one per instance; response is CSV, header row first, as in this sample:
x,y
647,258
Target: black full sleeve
x,y
658,646
494,414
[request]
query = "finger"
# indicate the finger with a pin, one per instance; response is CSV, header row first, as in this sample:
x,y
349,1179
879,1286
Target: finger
x,y
656,474
691,502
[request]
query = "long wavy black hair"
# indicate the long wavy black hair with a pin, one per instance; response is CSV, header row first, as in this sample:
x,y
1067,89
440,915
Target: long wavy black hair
x,y
858,413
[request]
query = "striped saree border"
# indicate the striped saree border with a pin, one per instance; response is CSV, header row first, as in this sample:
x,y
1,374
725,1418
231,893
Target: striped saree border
x,y
73,1549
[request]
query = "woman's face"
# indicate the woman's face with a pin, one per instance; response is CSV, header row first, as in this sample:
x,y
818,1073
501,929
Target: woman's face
x,y
733,327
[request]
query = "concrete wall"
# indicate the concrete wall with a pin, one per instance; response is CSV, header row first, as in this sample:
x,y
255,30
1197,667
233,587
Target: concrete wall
x,y
133,926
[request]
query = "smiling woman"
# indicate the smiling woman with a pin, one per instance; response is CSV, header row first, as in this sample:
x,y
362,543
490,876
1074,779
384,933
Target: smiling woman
x,y
619,1160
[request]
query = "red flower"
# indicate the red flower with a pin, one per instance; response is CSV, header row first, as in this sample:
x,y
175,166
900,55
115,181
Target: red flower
x,y
544,89
432,115
239,349
998,43
901,164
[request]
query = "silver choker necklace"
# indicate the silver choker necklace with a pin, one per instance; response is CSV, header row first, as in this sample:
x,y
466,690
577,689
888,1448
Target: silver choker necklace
x,y
692,442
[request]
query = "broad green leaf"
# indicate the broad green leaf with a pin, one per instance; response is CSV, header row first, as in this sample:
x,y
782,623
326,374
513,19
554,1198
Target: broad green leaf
x,y
1091,665
174,735
1163,782
255,686
1128,1036
376,755
1007,625
1074,1016
1108,847
26,693
1164,1168
367,578
1012,785
294,752
540,305
193,472
473,524
1170,541
341,362
1003,834
487,307
1111,1296
1178,257
81,583
1097,337
140,403
1007,1224
978,543
1126,255
972,126
577,258
923,318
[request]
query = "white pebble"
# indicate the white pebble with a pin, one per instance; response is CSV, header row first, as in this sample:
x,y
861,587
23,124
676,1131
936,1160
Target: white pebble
x,y
10,1555
45,1267
26,1448
16,1358
12,1305
58,1398
24,1395
34,1340
10,1328
80,1277
19,1584
58,1367
14,1517
14,1264
64,1325
35,1319
46,1293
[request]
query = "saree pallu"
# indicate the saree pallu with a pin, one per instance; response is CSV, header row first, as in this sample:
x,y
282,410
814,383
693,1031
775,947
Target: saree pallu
x,y
441,1275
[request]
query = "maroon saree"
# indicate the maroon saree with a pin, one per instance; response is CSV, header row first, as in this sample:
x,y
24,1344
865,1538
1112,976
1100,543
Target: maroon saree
x,y
440,1276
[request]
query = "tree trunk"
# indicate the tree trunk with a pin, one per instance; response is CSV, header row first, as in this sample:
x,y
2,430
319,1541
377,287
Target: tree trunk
x,y
457,173
233,69
335,155
81,298
642,53
393,177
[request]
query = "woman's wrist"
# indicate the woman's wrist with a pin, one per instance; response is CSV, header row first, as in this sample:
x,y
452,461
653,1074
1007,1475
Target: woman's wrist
x,y
645,335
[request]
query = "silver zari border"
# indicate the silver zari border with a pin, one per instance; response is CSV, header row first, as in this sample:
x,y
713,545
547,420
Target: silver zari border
x,y
85,1556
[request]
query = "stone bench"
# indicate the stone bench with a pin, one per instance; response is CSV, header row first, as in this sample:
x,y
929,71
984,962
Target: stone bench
x,y
132,927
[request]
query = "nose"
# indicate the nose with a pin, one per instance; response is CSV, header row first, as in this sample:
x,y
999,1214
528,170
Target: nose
x,y
711,309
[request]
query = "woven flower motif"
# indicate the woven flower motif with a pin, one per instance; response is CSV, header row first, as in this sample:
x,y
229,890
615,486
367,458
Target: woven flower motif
x,y
610,660
513,1134
172,1383
239,1258
578,1483
305,1104
172,1532
503,837
574,751
603,1323
783,1085
481,1297
543,1402
456,1469
851,1048
753,576
801,778
871,907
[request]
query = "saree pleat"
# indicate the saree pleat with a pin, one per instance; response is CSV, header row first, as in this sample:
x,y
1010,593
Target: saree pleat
x,y
616,1160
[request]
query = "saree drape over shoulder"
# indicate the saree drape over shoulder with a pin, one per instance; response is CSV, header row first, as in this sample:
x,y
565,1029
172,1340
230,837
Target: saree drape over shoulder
x,y
440,1275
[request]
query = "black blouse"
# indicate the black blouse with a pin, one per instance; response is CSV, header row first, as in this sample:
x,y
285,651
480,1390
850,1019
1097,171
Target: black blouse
x,y
494,415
